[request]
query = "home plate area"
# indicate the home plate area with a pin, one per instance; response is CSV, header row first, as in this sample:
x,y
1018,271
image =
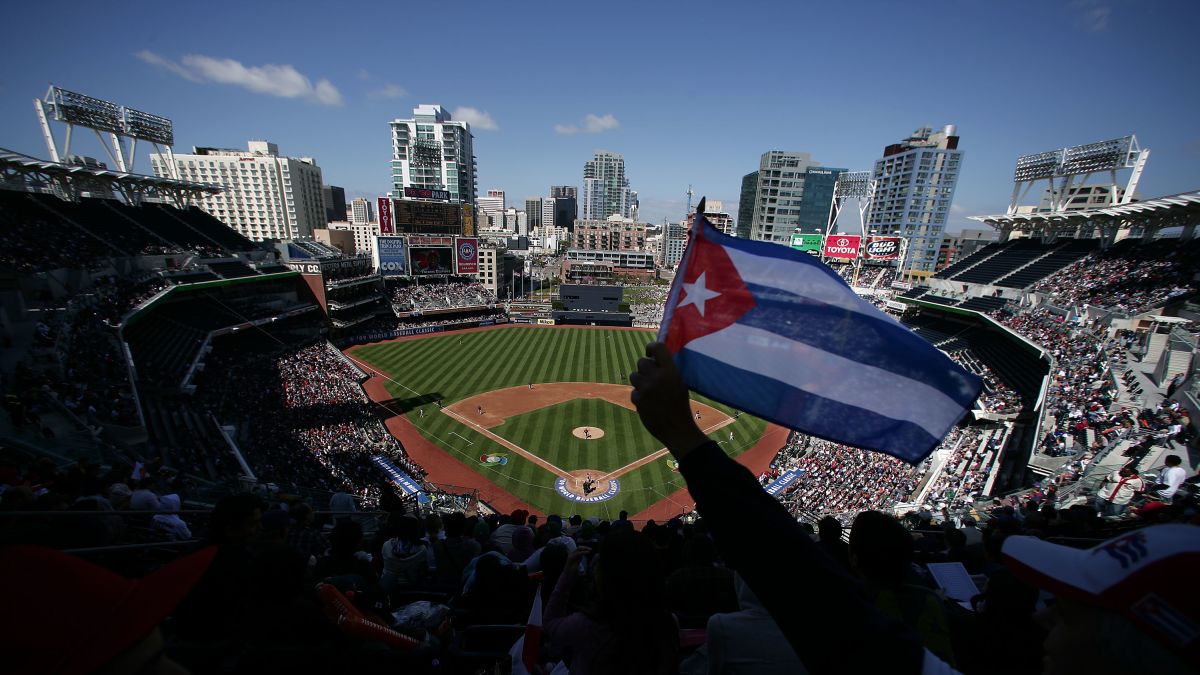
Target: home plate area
x,y
587,486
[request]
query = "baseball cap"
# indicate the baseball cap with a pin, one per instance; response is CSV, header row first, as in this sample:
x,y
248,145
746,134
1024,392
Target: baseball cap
x,y
1129,574
75,616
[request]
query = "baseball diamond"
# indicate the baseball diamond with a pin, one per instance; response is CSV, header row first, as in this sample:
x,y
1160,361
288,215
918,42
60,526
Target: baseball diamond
x,y
527,394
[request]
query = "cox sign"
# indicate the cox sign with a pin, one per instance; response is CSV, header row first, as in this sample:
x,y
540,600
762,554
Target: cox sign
x,y
882,248
842,245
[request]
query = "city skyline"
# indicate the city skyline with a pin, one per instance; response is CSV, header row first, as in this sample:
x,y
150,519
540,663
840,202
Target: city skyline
x,y
680,117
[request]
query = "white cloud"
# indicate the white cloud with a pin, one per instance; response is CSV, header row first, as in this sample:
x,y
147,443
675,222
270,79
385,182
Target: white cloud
x,y
477,118
592,124
1093,16
271,79
387,91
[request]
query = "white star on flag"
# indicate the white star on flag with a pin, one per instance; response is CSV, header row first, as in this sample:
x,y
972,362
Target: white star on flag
x,y
697,294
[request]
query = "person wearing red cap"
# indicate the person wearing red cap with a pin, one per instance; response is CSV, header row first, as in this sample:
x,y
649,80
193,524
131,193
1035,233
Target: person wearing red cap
x,y
77,617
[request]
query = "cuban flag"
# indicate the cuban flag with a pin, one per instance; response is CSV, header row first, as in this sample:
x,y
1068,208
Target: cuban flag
x,y
774,332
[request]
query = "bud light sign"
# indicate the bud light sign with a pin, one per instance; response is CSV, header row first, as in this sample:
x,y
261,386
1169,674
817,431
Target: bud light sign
x,y
392,260
882,248
842,245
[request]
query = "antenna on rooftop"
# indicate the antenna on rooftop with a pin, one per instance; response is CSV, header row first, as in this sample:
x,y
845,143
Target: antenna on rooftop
x,y
689,202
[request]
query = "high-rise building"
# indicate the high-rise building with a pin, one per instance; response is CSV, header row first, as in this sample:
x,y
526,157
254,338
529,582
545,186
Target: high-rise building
x,y
781,201
914,187
533,211
815,211
746,204
546,218
674,242
492,207
335,203
266,196
606,189
714,212
566,205
362,211
433,151
564,192
614,233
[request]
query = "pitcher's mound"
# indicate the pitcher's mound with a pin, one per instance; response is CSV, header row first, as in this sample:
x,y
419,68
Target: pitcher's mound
x,y
587,433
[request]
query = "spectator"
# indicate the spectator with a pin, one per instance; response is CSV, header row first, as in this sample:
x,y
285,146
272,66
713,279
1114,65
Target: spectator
x,y
405,557
1172,477
630,630
1118,489
170,525
745,641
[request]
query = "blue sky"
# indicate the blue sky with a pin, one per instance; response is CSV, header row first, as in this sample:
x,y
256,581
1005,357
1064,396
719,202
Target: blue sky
x,y
690,93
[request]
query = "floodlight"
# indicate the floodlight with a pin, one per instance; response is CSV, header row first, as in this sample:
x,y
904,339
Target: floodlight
x,y
75,108
1038,165
1102,156
153,128
853,185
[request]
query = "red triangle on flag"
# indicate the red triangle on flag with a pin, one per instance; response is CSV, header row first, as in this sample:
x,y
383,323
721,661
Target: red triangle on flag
x,y
712,295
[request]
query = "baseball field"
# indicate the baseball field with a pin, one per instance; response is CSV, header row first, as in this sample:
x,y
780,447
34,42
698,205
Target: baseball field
x,y
541,413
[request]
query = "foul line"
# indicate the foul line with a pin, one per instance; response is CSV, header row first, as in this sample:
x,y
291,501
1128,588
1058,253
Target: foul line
x,y
638,463
465,439
508,444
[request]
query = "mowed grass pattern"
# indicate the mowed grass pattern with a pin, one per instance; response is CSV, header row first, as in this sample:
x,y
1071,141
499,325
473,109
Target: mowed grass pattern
x,y
454,366
549,431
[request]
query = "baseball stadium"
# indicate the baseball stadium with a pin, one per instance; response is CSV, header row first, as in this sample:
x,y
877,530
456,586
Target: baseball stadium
x,y
540,413
251,434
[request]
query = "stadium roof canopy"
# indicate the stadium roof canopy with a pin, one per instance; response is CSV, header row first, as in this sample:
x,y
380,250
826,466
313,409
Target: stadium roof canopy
x,y
1149,216
69,181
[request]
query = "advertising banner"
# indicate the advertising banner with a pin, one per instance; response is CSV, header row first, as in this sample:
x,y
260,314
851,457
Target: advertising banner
x,y
882,248
468,220
426,193
811,243
384,209
418,240
392,259
467,251
431,260
842,245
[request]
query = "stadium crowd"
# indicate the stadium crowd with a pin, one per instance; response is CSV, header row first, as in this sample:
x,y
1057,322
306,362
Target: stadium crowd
x,y
996,397
420,297
304,419
1125,279
838,479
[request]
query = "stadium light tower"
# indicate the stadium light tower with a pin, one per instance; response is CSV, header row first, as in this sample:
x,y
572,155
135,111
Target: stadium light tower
x,y
1060,168
105,118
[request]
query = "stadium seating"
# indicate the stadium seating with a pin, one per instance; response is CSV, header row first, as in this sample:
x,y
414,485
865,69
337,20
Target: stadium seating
x,y
971,260
1017,254
984,304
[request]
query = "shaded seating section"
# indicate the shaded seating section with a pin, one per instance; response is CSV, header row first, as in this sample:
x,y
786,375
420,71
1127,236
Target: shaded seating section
x,y
930,297
207,225
1039,269
1017,254
103,224
33,239
166,339
231,270
914,293
977,256
984,304
162,225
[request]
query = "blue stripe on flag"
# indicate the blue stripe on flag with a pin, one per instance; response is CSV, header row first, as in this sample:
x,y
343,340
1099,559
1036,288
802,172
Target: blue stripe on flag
x,y
876,341
814,415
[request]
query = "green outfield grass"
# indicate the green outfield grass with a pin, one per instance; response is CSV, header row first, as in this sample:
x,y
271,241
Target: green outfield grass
x,y
454,366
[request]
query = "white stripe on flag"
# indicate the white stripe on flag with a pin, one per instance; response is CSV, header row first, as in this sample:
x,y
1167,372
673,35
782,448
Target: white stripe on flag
x,y
797,278
831,376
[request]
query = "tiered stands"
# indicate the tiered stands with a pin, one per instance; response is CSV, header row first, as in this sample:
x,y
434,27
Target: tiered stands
x,y
1017,254
1039,269
983,303
981,254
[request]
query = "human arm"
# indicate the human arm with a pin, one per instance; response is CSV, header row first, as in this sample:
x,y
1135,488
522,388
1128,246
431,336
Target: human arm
x,y
814,603
556,608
